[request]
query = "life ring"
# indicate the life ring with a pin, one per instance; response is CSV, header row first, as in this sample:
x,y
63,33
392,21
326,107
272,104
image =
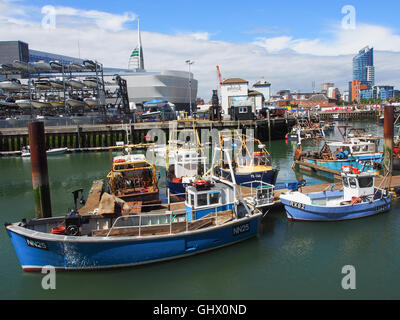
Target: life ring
x,y
257,154
119,160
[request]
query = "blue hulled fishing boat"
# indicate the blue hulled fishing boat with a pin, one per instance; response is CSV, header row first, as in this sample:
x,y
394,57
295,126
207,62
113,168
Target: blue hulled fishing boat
x,y
359,198
357,150
247,165
213,217
185,160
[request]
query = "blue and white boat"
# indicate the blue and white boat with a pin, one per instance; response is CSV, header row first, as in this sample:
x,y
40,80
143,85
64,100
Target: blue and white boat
x,y
359,152
184,156
213,217
247,166
359,198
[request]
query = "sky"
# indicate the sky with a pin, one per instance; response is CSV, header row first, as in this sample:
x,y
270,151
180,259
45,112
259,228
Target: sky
x,y
288,43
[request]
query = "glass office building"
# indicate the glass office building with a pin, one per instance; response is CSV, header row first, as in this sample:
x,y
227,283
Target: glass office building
x,y
363,66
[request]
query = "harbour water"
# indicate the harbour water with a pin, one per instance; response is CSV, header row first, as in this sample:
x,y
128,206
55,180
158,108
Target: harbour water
x,y
289,260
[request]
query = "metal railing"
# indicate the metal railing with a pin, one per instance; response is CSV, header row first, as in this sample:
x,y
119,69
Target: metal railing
x,y
261,185
139,220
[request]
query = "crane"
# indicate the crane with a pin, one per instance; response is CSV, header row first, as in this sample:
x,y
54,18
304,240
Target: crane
x,y
219,77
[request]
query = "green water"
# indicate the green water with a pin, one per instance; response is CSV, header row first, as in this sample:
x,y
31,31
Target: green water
x,y
289,260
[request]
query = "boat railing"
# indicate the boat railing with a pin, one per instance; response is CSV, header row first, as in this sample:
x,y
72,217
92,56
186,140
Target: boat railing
x,y
261,197
163,219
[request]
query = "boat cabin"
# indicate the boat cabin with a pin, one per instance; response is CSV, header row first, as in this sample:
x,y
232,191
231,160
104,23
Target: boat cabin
x,y
353,146
357,184
186,163
205,197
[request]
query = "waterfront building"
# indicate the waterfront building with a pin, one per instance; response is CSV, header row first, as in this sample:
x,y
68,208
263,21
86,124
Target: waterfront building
x,y
363,67
264,87
356,87
177,87
325,87
346,96
383,92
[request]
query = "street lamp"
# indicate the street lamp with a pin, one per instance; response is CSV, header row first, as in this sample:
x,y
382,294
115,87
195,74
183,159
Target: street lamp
x,y
189,63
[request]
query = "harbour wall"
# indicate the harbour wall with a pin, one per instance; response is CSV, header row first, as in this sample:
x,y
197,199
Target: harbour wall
x,y
98,137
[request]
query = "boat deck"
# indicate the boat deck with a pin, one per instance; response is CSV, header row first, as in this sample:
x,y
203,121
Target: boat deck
x,y
163,229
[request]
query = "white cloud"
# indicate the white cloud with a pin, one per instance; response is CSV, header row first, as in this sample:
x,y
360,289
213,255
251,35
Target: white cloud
x,y
103,20
341,41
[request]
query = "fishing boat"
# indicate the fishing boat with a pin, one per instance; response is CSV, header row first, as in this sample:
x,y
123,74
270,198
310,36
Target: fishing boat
x,y
185,160
41,65
357,149
358,198
132,177
56,65
248,166
212,218
11,85
214,215
306,130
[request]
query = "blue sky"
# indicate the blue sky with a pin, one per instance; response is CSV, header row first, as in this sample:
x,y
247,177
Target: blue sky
x,y
239,21
289,43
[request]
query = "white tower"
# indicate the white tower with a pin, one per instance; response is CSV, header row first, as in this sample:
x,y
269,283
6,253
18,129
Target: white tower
x,y
136,61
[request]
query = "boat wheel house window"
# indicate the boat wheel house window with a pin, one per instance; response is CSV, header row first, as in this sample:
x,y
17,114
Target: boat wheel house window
x,y
345,182
214,198
202,199
353,183
243,110
365,182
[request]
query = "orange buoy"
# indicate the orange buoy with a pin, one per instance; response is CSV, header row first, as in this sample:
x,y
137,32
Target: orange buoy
x,y
355,200
58,230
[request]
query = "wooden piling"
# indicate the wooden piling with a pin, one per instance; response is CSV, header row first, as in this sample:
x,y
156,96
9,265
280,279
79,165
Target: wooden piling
x,y
40,176
388,131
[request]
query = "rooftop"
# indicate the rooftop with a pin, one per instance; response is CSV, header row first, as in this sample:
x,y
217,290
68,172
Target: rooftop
x,y
234,80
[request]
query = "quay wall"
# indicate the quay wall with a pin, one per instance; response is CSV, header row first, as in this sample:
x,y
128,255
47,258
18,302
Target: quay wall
x,y
354,115
79,137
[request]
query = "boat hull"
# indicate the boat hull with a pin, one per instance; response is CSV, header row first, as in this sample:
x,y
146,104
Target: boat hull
x,y
338,164
176,188
36,250
297,212
269,176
